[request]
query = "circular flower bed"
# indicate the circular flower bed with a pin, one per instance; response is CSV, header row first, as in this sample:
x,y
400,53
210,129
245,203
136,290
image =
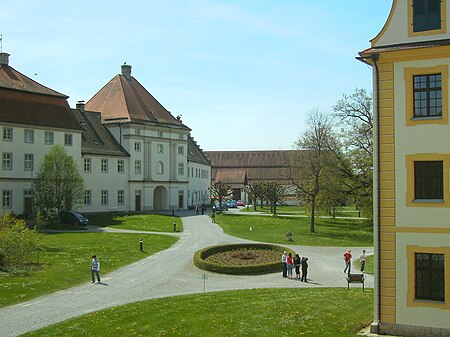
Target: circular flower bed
x,y
241,259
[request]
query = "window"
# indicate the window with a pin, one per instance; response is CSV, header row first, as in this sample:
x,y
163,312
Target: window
x,y
426,15
180,169
137,166
104,165
120,194
29,136
48,138
427,95
29,162
68,139
7,161
87,164
104,197
160,134
120,166
137,131
180,136
137,146
7,198
429,276
8,134
428,180
180,150
160,148
160,168
87,197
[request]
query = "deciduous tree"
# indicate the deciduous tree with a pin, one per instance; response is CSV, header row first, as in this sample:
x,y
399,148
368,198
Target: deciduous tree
x,y
220,191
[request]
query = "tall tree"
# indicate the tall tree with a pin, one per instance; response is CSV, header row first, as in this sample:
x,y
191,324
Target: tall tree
x,y
219,191
255,191
308,165
58,184
355,115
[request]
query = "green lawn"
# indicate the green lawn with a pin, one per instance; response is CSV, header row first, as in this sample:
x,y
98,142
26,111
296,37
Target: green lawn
x,y
346,211
260,312
65,261
142,222
369,264
329,232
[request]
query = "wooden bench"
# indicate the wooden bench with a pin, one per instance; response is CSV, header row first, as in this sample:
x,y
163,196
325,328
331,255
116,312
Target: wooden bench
x,y
355,278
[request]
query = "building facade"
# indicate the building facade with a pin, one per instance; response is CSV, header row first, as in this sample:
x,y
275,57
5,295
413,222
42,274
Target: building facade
x,y
410,59
132,153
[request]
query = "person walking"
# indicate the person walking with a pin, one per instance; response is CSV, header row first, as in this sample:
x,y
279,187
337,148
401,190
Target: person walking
x,y
213,217
284,263
297,263
304,269
348,261
362,259
290,265
95,269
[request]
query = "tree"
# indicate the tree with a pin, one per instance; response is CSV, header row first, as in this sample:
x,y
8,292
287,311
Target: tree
x,y
58,184
309,164
17,242
275,193
220,191
255,191
355,115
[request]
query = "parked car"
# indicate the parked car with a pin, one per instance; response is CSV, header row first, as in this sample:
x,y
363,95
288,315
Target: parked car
x,y
240,203
224,206
231,204
74,218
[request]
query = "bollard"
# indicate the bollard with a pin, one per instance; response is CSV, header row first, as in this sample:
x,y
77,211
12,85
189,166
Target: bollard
x,y
141,245
174,225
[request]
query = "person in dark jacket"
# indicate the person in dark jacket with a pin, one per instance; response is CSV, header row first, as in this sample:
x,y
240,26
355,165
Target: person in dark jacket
x,y
304,264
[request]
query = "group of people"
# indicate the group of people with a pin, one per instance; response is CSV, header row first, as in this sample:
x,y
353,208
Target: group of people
x,y
297,262
348,260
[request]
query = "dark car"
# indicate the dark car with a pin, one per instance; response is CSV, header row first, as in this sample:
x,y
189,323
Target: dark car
x,y
74,218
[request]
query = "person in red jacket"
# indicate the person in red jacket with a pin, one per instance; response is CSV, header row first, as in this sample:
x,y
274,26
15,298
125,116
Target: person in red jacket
x,y
348,260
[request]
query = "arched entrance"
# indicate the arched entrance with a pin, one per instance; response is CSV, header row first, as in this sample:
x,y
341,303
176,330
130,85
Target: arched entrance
x,y
160,199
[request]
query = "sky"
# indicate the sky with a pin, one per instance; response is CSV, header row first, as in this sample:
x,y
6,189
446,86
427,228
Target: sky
x,y
242,73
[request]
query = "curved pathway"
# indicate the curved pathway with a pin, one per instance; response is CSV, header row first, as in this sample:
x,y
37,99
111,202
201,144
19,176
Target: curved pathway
x,y
168,273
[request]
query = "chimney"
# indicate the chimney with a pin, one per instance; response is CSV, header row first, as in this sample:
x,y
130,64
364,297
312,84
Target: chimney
x,y
80,106
4,59
126,71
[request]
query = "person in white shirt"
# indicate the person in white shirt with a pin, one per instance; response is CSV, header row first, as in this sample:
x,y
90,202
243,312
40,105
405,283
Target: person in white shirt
x,y
362,259
284,263
95,269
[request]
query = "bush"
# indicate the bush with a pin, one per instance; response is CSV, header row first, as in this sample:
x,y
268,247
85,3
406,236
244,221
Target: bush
x,y
270,267
17,241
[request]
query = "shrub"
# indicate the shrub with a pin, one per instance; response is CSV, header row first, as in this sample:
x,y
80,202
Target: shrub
x,y
262,268
17,241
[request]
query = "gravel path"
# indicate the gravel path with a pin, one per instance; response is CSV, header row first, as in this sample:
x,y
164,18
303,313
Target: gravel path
x,y
168,273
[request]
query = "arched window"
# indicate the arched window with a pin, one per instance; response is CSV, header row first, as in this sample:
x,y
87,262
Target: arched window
x,y
160,167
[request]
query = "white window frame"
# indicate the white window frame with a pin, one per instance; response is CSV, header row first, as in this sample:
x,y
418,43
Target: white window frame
x,y
7,134
49,138
104,197
87,164
28,164
68,139
180,169
120,166
160,134
87,197
137,146
137,167
7,198
160,148
7,161
160,167
120,197
181,150
104,166
28,136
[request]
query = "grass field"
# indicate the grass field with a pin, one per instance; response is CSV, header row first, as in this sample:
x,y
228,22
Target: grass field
x,y
329,232
65,261
142,222
260,312
301,210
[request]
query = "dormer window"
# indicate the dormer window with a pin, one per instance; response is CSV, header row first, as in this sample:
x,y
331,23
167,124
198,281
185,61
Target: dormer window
x,y
426,15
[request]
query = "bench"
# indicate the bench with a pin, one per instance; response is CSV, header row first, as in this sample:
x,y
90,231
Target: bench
x,y
355,278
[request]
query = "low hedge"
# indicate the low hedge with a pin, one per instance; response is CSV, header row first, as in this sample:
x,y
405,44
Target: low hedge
x,y
271,267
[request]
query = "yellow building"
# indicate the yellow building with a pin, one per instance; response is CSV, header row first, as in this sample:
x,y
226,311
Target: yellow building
x,y
410,59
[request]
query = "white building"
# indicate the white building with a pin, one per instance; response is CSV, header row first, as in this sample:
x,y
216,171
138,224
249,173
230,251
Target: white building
x,y
133,154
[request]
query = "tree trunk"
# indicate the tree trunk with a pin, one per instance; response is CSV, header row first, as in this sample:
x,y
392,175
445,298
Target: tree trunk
x,y
313,214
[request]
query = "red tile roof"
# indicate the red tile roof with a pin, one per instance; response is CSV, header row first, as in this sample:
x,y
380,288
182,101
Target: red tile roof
x,y
125,100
